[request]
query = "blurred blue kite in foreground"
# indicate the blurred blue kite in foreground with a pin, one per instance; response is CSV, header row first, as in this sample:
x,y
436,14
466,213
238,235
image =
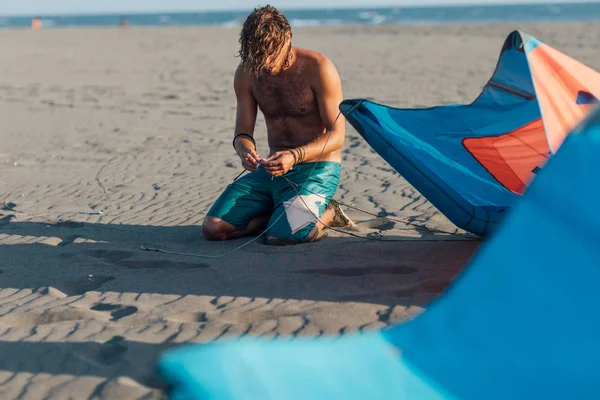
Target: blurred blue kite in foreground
x,y
519,324
473,161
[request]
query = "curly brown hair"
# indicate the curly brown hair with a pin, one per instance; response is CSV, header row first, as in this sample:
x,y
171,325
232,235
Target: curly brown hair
x,y
263,35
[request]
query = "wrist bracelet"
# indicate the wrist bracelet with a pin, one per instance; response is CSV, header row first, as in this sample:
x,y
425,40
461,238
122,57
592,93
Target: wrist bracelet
x,y
294,155
246,135
301,153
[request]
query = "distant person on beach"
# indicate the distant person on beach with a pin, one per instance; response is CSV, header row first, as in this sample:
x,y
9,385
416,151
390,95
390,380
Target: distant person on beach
x,y
299,92
36,23
123,22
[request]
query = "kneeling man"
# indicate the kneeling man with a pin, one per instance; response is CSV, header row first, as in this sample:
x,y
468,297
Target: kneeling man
x,y
299,92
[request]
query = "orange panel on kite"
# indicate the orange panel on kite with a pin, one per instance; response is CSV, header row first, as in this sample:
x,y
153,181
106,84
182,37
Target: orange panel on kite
x,y
559,80
512,157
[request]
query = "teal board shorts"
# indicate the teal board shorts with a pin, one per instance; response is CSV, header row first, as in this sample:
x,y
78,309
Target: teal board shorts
x,y
259,194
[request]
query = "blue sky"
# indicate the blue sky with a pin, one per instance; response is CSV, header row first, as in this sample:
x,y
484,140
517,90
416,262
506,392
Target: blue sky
x,y
28,7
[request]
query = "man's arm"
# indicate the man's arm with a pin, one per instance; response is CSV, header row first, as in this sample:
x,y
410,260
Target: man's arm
x,y
245,120
328,92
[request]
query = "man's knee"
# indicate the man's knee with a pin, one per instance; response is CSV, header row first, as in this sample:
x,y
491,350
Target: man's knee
x,y
215,229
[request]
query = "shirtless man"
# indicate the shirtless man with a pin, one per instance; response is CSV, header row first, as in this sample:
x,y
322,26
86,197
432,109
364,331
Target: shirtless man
x,y
298,92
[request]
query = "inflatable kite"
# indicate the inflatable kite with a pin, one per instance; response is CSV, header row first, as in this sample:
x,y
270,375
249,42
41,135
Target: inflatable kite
x,y
520,323
473,161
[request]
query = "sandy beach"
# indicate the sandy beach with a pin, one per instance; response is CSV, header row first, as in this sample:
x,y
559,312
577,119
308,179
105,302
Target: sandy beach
x,y
136,124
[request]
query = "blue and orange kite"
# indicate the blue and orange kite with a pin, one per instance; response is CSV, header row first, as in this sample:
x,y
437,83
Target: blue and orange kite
x,y
472,161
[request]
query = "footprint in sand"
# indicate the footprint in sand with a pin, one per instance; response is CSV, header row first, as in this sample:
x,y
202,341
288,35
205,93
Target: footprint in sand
x,y
123,312
118,311
10,206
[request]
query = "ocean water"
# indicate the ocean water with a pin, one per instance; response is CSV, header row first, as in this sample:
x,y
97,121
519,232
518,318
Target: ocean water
x,y
572,11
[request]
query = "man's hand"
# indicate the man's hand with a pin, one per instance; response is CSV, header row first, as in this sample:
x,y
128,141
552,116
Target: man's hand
x,y
250,159
279,163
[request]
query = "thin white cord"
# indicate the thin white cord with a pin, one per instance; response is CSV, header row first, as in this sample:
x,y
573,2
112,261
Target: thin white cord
x,y
144,248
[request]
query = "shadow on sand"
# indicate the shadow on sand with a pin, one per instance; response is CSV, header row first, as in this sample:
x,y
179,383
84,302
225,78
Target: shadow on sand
x,y
72,260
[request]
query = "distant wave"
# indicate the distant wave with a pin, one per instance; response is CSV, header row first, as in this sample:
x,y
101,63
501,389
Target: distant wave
x,y
303,23
554,9
371,17
48,23
231,24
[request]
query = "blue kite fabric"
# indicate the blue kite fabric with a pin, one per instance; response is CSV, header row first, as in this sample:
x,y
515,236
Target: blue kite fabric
x,y
351,367
520,323
473,161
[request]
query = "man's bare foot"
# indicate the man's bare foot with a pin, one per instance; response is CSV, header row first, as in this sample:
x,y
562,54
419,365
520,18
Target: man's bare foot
x,y
340,219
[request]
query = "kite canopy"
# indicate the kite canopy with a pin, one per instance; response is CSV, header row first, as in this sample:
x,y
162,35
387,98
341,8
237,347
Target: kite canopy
x,y
472,161
518,324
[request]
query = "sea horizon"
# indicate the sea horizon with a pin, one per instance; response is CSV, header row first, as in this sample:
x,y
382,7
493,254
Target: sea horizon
x,y
326,16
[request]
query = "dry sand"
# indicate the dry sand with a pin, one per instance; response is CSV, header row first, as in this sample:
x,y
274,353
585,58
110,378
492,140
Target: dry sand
x,y
138,124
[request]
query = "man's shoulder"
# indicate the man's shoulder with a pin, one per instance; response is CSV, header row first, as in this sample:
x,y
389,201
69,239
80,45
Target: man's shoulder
x,y
240,72
311,54
316,59
241,77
